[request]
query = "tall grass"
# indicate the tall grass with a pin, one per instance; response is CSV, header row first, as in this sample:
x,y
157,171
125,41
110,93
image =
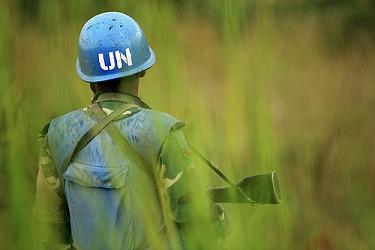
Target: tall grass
x,y
258,91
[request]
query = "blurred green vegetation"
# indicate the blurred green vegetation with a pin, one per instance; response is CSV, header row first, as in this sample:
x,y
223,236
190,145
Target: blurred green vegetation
x,y
263,85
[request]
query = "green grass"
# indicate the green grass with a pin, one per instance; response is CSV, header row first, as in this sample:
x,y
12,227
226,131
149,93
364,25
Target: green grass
x,y
258,93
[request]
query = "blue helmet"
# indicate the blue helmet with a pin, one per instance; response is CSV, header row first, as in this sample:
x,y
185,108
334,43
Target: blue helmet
x,y
112,45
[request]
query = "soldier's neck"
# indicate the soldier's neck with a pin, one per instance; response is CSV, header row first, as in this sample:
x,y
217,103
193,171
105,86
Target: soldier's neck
x,y
130,88
126,86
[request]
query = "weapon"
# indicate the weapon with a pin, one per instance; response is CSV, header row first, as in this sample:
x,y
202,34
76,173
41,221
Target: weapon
x,y
262,189
257,189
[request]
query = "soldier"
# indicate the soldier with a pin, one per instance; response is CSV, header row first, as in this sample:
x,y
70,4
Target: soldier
x,y
116,174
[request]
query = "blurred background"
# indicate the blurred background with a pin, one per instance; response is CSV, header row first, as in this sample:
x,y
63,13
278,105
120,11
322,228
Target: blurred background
x,y
262,85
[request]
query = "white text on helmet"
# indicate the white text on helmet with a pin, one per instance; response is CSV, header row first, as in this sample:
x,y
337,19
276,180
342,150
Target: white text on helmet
x,y
127,58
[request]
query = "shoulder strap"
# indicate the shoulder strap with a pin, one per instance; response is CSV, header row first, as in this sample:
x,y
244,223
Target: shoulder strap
x,y
139,161
125,147
94,131
105,121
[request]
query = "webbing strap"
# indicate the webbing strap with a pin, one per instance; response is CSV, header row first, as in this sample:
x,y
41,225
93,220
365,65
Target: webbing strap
x,y
94,131
105,120
126,148
144,166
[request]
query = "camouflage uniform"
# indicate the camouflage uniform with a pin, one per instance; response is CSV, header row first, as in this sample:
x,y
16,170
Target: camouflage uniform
x,y
175,167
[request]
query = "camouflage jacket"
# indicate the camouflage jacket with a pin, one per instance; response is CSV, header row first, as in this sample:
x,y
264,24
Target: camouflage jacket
x,y
176,171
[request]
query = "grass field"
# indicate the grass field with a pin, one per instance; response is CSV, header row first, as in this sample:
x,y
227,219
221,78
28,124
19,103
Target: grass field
x,y
258,90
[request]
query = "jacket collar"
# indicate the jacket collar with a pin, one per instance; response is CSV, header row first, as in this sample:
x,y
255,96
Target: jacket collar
x,y
118,97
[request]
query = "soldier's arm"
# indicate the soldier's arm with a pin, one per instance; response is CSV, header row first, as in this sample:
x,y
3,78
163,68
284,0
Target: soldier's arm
x,y
182,185
177,170
49,206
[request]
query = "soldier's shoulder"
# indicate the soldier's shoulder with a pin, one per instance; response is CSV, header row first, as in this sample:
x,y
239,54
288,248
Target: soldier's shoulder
x,y
64,117
158,117
69,115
